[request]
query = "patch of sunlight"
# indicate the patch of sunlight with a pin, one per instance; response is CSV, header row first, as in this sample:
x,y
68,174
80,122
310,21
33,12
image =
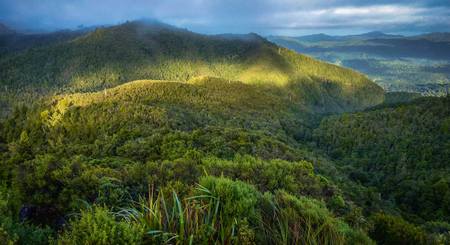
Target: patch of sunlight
x,y
54,115
62,103
261,74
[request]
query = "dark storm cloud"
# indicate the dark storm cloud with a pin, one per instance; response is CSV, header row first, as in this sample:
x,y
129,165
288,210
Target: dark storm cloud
x,y
213,16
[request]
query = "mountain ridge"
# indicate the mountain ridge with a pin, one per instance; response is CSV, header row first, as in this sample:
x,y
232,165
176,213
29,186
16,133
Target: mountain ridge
x,y
432,36
137,50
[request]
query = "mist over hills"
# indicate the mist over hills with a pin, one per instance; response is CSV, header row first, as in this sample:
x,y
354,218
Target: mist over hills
x,y
433,36
432,45
397,63
324,37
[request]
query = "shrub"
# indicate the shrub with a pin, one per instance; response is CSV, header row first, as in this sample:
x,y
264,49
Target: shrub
x,y
238,200
6,238
388,229
99,226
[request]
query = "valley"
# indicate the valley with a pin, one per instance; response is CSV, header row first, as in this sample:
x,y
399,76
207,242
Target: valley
x,y
417,64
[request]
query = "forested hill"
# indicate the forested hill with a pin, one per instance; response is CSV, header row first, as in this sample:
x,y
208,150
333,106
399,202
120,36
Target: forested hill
x,y
222,150
401,149
242,148
146,50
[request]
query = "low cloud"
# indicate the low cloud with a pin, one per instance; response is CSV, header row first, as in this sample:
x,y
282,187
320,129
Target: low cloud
x,y
376,17
216,16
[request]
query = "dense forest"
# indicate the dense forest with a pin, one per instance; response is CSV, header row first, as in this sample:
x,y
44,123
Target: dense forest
x,y
143,133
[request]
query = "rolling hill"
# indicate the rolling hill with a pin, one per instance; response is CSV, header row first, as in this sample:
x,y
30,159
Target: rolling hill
x,y
171,135
148,50
109,147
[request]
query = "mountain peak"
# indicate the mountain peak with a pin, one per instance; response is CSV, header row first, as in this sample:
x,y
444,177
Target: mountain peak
x,y
242,37
374,33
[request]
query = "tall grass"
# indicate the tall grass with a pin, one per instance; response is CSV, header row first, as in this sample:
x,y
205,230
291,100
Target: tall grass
x,y
203,219
184,221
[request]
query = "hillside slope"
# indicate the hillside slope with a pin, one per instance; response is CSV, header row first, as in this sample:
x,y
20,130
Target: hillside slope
x,y
210,143
402,150
113,146
141,50
203,159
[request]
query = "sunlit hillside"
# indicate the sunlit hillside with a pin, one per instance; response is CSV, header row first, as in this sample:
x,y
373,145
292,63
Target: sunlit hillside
x,y
111,56
112,146
194,146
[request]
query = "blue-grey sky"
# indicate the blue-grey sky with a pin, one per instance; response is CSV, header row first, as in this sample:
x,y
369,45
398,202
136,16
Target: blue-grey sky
x,y
291,17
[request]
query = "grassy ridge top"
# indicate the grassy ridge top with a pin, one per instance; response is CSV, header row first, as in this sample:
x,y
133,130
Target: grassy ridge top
x,y
136,50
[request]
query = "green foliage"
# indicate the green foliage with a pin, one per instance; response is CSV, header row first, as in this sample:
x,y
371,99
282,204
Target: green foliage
x,y
209,216
237,200
295,177
14,232
11,230
439,231
5,238
300,220
401,150
99,226
109,148
225,211
303,221
400,97
394,230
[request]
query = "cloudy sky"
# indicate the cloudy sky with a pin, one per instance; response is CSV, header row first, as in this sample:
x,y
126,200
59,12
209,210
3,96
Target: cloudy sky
x,y
292,17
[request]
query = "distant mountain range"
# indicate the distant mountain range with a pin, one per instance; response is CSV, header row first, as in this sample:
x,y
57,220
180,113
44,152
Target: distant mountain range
x,y
321,37
324,37
431,46
398,63
12,41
